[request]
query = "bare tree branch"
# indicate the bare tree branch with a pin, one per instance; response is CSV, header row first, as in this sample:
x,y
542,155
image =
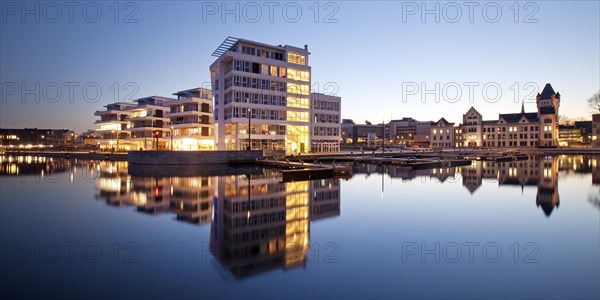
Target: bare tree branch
x,y
594,101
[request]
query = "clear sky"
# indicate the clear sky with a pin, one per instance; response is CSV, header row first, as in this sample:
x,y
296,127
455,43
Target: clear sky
x,y
376,54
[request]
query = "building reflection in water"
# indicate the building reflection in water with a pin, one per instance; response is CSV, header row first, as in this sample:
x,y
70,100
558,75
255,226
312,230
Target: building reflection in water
x,y
582,164
32,165
258,222
261,223
189,198
541,172
537,171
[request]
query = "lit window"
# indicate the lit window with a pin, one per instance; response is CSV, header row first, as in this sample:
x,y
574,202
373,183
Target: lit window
x,y
298,88
298,75
296,59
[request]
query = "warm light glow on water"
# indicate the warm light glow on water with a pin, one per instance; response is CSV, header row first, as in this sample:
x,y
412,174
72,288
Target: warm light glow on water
x,y
470,232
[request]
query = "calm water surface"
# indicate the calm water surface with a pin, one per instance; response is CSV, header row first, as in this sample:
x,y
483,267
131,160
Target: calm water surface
x,y
92,229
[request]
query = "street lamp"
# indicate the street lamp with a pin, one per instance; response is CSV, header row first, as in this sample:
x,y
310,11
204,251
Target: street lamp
x,y
111,140
171,138
156,138
249,131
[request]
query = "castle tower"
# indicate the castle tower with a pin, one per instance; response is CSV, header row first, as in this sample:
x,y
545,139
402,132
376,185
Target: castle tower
x,y
548,98
548,103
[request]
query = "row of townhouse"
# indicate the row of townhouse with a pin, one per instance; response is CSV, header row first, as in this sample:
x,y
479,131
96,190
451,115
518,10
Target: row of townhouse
x,y
187,123
159,123
535,129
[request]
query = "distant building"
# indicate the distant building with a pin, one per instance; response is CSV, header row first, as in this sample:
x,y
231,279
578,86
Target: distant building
x,y
569,135
325,123
29,138
536,129
442,134
596,130
347,129
403,131
367,135
422,133
586,130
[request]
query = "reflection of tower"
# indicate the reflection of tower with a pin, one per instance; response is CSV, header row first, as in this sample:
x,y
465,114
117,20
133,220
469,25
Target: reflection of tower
x,y
472,176
537,171
268,227
547,195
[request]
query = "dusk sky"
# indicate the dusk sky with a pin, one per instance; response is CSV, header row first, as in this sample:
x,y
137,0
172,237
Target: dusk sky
x,y
370,54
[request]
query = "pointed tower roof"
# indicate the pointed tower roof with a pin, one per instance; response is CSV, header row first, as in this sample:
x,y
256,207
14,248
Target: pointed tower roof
x,y
548,91
523,107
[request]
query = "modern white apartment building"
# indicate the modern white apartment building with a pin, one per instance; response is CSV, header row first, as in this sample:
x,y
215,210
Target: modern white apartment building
x,y
113,125
149,129
325,122
191,120
262,95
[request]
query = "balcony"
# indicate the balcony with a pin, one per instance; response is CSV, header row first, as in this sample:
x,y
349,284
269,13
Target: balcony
x,y
107,112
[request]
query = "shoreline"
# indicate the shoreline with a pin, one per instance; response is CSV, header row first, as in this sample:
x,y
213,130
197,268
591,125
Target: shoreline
x,y
122,156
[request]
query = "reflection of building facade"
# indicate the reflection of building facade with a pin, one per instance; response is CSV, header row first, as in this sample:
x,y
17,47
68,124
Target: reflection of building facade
x,y
32,165
190,198
324,198
537,171
261,223
258,222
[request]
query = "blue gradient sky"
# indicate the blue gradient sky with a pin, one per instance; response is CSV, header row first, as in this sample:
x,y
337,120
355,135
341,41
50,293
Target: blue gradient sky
x,y
369,54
